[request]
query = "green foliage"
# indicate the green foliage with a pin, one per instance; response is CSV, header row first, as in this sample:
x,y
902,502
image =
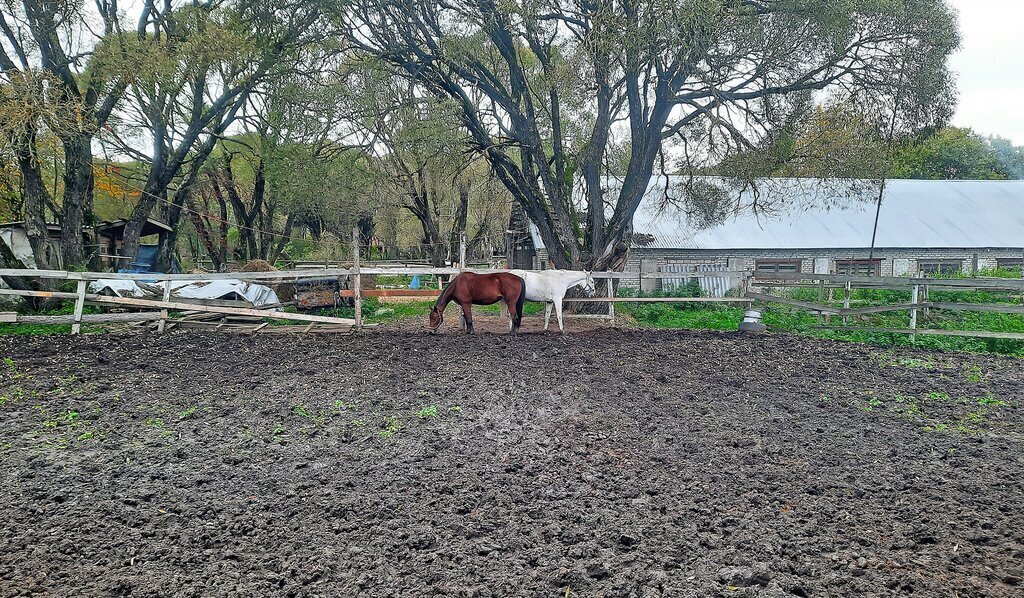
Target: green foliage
x,y
951,153
390,427
675,315
427,412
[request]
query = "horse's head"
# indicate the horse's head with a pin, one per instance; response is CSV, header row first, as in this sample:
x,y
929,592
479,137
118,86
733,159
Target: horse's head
x,y
436,319
589,286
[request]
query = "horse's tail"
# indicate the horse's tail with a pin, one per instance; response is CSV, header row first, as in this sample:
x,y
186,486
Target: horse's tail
x,y
520,301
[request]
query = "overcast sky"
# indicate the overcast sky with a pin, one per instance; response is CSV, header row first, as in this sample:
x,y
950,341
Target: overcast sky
x,y
990,67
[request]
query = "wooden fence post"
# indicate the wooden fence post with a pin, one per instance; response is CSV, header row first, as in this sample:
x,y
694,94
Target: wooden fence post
x,y
846,302
160,327
913,312
611,295
357,291
821,297
76,328
462,250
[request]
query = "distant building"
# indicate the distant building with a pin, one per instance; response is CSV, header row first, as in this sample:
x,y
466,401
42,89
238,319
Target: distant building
x,y
924,227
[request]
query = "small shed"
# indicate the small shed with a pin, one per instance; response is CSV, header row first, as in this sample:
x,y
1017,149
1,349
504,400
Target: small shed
x,y
110,240
522,240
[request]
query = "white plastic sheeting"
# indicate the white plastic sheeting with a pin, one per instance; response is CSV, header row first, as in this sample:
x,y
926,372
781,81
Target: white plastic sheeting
x,y
256,294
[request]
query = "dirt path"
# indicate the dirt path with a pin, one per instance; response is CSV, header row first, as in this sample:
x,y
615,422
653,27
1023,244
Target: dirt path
x,y
610,463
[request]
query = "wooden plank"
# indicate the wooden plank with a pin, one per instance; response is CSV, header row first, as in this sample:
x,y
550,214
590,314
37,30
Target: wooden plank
x,y
901,282
930,331
357,280
248,328
280,275
978,307
260,327
7,317
106,318
76,327
145,303
429,293
881,309
795,303
657,299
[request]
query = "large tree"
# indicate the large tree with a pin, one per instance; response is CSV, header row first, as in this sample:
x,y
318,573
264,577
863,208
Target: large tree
x,y
85,68
204,63
549,90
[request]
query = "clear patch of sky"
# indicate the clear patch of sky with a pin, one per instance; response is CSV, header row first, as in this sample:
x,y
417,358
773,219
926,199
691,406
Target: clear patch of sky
x,y
990,67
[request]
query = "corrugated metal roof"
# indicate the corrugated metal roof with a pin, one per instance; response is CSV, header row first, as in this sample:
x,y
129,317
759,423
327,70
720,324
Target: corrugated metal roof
x,y
820,214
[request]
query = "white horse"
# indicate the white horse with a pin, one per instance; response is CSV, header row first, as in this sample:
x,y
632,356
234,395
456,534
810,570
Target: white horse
x,y
549,286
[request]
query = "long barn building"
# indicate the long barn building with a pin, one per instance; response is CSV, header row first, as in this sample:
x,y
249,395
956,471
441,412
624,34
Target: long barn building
x,y
803,225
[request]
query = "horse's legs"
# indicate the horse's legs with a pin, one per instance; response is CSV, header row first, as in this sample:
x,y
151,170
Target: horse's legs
x,y
467,316
506,313
547,316
558,313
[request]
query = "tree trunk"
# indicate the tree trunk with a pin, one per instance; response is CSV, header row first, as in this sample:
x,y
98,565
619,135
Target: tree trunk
x,y
154,190
78,202
244,218
36,198
204,229
283,241
461,218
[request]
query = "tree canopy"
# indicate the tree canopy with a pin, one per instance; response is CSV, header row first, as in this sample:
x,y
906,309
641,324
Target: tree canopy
x,y
547,90
310,117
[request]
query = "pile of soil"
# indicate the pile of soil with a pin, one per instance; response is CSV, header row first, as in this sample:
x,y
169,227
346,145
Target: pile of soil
x,y
602,463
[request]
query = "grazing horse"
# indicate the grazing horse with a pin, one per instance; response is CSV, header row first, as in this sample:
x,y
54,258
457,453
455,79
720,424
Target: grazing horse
x,y
469,288
550,286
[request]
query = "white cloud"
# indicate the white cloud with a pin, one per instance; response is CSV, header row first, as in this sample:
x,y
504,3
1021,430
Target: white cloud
x,y
990,67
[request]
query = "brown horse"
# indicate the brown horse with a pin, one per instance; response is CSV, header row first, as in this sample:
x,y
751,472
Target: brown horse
x,y
469,288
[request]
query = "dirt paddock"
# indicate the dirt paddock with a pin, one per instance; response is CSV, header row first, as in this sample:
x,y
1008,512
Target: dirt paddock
x,y
601,463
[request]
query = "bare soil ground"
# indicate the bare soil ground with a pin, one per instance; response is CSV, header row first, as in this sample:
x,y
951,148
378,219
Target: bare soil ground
x,y
600,463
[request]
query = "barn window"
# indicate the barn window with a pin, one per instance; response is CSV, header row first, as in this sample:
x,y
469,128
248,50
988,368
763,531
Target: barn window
x,y
859,267
1010,263
768,267
939,266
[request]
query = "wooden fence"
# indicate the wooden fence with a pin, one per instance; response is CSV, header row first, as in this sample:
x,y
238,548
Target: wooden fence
x,y
826,307
224,311
920,290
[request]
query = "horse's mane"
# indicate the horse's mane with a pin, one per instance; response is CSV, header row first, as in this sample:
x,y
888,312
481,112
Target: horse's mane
x,y
445,294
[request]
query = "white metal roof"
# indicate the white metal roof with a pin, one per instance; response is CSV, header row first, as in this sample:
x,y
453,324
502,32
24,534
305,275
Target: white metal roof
x,y
819,214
